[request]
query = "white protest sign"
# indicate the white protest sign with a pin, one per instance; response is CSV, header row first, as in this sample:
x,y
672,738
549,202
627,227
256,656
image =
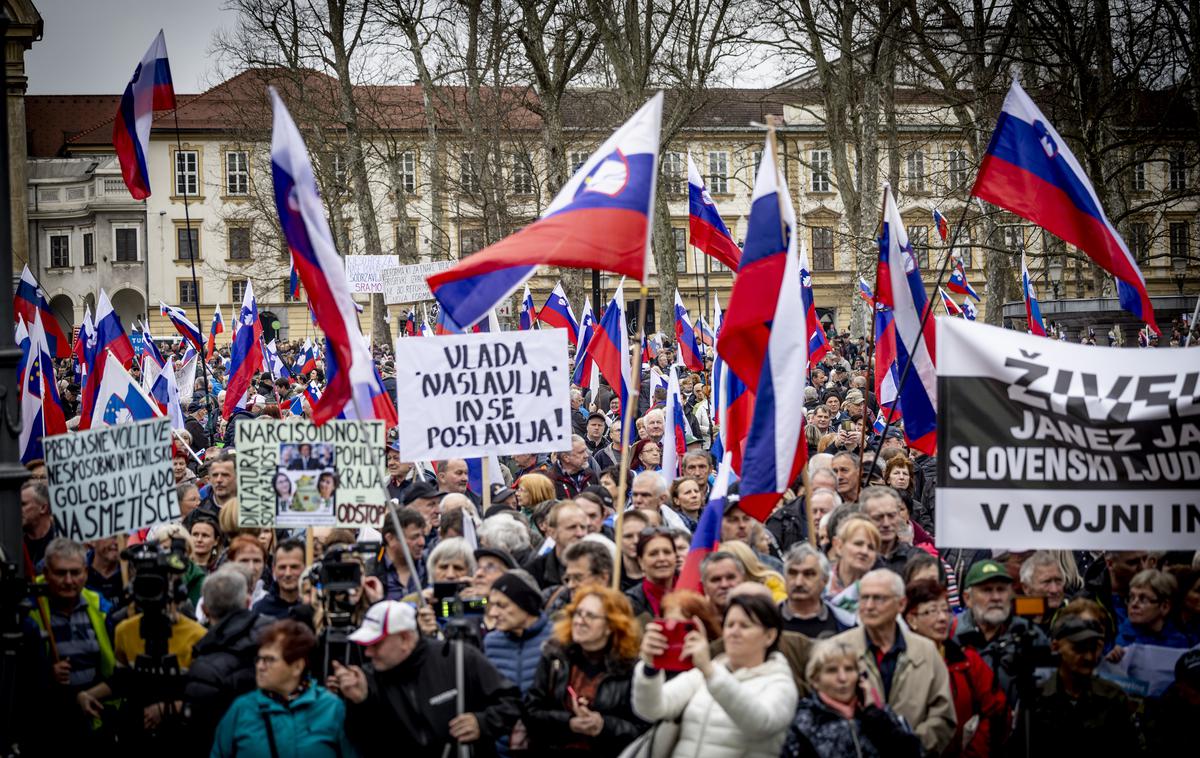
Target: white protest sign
x,y
111,480
1049,444
471,395
406,284
365,272
1144,670
294,473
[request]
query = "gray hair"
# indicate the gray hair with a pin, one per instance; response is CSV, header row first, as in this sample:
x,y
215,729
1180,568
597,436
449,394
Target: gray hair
x,y
660,486
1038,560
879,490
504,532
1159,582
657,413
224,592
41,490
800,552
823,472
891,577
837,499
455,547
64,548
825,652
722,555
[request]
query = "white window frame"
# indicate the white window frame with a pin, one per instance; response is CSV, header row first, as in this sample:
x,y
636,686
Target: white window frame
x,y
821,161
679,242
718,172
1177,170
408,172
237,177
522,174
914,170
675,173
467,181
189,174
238,297
956,168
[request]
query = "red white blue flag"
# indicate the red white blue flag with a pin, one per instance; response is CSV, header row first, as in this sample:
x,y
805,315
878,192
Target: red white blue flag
x,y
708,232
887,372
818,342
111,342
557,314
350,369
674,440
1033,311
958,280
149,90
864,291
609,349
1030,170
119,398
900,289
969,312
217,327
245,357
581,376
951,307
690,354
29,299
182,324
41,409
707,537
941,224
601,218
528,311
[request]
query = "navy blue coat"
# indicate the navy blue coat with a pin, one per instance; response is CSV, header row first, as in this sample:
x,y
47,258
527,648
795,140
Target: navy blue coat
x,y
517,656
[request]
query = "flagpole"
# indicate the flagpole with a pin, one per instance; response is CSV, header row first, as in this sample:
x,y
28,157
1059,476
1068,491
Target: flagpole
x,y
635,394
929,306
187,222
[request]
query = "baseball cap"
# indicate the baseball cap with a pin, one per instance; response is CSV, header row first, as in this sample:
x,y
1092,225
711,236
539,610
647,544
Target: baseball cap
x,y
1077,629
599,415
384,618
985,571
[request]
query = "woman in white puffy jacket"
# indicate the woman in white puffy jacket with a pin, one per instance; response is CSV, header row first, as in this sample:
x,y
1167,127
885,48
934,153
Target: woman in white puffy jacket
x,y
739,704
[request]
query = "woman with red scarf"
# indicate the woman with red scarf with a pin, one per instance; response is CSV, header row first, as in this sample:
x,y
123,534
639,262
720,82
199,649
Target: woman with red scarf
x,y
656,557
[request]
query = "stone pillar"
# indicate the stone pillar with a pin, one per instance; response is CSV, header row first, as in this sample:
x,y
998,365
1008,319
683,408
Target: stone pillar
x,y
25,28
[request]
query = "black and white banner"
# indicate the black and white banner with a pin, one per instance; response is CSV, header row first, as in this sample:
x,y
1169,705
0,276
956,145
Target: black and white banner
x,y
1048,444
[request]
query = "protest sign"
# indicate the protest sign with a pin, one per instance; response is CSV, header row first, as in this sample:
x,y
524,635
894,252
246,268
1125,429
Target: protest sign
x,y
365,272
471,395
1144,670
111,480
294,473
1048,444
406,284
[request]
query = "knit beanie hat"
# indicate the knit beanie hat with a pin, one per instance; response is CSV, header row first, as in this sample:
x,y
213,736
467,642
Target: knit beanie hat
x,y
520,592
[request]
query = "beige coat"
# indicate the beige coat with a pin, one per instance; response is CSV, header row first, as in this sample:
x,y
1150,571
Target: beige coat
x,y
920,687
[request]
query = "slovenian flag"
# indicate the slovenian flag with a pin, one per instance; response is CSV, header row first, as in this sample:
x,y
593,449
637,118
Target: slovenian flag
x,y
940,223
217,327
148,91
1029,169
29,299
958,280
864,291
708,232
600,218
689,354
41,409
707,537
557,314
1033,311
951,307
111,342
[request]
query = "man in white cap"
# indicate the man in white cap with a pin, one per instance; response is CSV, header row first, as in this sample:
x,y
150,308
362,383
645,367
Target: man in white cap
x,y
408,690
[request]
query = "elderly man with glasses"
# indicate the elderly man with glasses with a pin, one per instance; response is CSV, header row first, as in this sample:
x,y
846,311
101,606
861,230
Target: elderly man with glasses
x,y
902,668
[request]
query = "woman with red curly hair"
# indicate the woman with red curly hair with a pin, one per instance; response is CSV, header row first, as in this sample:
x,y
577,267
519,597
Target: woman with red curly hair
x,y
580,699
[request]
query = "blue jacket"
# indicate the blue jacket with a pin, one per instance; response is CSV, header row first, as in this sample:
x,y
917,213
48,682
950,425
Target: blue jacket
x,y
516,657
311,726
1169,636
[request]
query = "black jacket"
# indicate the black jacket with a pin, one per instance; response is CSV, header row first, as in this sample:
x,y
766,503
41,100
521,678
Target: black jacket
x,y
222,668
818,732
788,524
198,432
546,714
237,416
415,702
546,569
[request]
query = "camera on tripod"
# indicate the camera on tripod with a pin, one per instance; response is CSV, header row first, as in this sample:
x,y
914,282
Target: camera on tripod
x,y
449,603
153,570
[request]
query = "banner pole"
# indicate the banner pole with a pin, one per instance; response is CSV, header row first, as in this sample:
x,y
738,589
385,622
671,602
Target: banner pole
x,y
187,222
635,393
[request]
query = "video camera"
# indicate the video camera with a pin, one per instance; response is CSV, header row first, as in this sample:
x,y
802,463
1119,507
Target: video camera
x,y
448,601
153,570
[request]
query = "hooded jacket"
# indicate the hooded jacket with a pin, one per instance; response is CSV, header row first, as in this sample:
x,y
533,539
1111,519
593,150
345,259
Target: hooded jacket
x,y
311,726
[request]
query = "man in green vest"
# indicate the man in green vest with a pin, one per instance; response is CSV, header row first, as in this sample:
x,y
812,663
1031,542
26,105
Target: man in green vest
x,y
71,624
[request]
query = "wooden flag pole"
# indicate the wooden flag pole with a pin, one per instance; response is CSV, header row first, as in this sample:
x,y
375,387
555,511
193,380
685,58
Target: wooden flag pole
x,y
635,391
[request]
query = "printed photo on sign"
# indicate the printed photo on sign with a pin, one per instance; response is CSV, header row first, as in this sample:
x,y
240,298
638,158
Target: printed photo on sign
x,y
305,485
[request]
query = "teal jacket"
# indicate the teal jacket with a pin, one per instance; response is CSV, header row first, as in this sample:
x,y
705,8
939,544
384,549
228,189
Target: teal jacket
x,y
312,726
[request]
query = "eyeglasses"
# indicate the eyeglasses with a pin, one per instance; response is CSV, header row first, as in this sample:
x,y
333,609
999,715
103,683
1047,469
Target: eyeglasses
x,y
587,616
1140,599
875,599
270,660
943,610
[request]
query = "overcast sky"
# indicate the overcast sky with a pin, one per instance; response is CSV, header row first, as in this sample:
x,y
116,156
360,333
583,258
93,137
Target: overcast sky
x,y
92,46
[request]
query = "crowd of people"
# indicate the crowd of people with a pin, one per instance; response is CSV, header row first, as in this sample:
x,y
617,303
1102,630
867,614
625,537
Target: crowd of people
x,y
554,619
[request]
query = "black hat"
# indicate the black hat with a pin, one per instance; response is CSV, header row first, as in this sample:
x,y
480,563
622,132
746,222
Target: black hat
x,y
520,592
501,494
600,492
419,490
1077,629
498,554
599,415
197,406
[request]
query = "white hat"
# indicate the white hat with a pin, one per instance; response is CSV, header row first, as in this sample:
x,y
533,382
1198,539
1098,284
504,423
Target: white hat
x,y
384,618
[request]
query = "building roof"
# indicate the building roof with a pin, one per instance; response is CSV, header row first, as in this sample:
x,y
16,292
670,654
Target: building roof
x,y
52,120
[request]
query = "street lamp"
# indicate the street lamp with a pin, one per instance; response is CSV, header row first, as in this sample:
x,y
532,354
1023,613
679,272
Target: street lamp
x,y
1179,271
1055,270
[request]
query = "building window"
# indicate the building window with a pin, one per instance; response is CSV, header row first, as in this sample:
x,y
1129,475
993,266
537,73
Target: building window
x,y
287,291
89,249
237,173
187,243
918,240
756,161
1177,173
966,253
339,169
238,289
821,160
957,165
408,171
187,292
469,241
1179,231
718,172
466,174
125,245
60,251
674,174
822,247
576,158
522,175
1139,240
239,243
679,242
1137,180
1014,238
404,237
916,171
187,172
